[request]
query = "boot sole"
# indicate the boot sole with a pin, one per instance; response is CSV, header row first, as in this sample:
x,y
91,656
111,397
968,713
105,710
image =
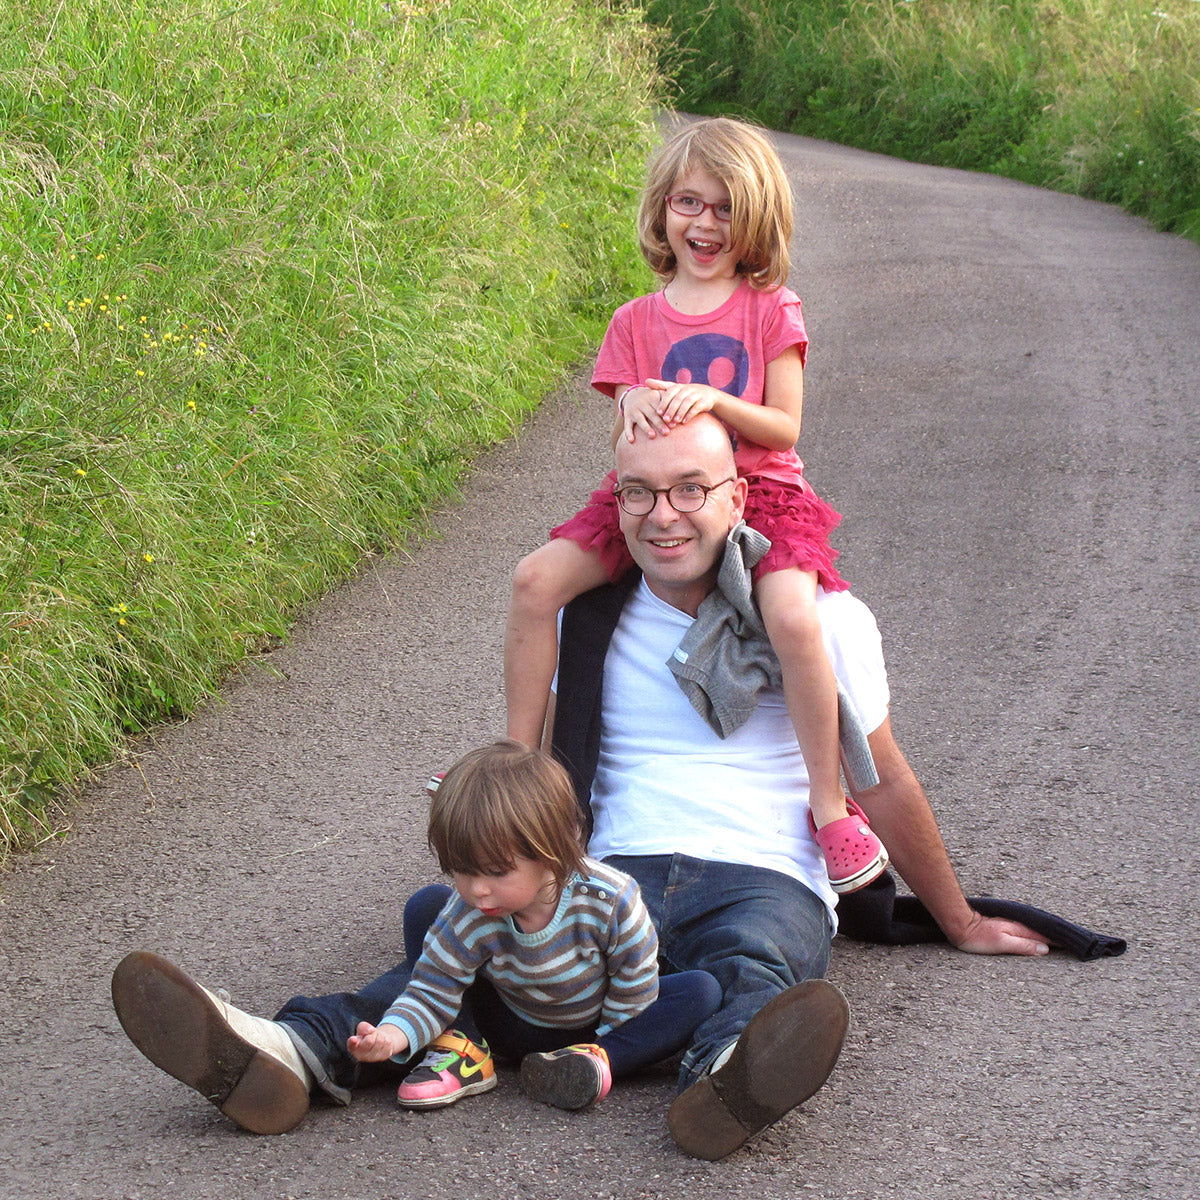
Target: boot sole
x,y
782,1057
171,1020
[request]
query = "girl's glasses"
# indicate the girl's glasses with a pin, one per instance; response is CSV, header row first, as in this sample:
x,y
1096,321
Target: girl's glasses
x,y
693,206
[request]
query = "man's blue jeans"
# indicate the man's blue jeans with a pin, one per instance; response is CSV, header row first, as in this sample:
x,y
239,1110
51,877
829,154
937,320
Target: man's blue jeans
x,y
757,931
320,1025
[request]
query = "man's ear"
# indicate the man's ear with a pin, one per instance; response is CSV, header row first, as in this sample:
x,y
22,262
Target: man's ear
x,y
738,496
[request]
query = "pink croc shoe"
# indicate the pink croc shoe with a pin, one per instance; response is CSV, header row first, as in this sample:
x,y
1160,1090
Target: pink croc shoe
x,y
853,854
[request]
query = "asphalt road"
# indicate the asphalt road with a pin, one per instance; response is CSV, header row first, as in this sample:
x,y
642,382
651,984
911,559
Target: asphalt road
x,y
1002,397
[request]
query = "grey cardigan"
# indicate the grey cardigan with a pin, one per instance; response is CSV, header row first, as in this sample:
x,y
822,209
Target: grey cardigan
x,y
725,658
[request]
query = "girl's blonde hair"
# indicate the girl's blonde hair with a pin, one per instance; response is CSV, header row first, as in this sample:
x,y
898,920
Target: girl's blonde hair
x,y
501,803
740,156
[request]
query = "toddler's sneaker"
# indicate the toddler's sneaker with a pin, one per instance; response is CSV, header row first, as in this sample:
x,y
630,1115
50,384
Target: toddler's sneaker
x,y
853,854
571,1078
453,1067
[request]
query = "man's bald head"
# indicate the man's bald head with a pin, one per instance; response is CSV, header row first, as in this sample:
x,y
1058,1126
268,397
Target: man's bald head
x,y
703,437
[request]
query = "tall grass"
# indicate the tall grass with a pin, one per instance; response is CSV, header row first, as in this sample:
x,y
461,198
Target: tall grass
x,y
1096,97
270,273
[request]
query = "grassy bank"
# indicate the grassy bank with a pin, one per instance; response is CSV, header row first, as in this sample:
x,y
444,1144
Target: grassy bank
x,y
269,275
1096,97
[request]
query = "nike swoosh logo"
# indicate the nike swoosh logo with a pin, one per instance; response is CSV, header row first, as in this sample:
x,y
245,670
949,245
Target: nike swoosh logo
x,y
471,1068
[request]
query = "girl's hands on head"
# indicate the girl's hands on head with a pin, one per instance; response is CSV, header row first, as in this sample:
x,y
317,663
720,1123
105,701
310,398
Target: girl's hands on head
x,y
658,406
678,403
369,1043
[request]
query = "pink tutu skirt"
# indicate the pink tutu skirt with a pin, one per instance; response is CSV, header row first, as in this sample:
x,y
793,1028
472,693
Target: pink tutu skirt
x,y
792,515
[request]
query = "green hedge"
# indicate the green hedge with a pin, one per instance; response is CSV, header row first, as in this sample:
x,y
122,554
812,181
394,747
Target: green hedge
x,y
270,275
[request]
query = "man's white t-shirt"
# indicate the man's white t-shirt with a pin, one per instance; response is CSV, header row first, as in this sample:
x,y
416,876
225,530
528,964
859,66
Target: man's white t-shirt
x,y
667,784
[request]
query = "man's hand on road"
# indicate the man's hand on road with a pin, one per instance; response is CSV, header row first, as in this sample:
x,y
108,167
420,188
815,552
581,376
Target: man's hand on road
x,y
994,935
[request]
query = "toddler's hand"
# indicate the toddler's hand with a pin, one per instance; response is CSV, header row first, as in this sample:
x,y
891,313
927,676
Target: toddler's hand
x,y
369,1043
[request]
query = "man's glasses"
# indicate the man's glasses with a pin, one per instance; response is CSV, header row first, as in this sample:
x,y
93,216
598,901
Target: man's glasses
x,y
693,206
638,501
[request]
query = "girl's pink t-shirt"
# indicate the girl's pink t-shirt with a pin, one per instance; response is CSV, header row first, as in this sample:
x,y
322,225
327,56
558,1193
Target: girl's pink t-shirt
x,y
728,348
